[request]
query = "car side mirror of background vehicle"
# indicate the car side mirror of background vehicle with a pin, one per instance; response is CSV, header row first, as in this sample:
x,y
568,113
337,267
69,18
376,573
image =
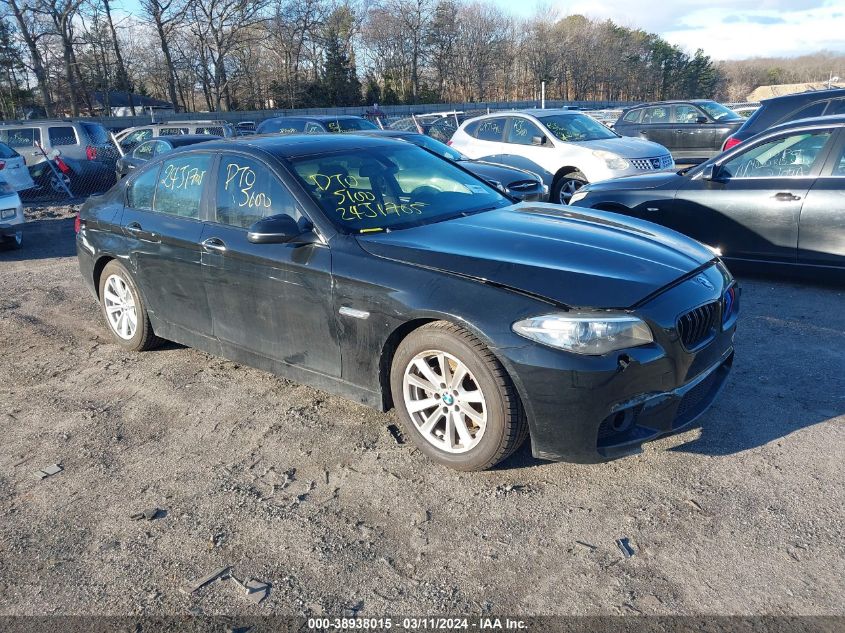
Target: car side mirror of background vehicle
x,y
702,119
280,229
710,172
538,140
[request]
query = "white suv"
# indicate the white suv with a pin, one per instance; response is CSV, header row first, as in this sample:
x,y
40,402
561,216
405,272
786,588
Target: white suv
x,y
566,149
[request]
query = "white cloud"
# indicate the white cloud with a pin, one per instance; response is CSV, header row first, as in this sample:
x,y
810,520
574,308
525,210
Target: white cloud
x,y
728,29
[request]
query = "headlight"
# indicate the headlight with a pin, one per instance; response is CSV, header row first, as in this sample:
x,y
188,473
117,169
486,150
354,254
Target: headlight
x,y
612,160
578,195
584,333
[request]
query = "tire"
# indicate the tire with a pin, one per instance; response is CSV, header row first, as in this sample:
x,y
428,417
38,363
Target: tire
x,y
477,441
566,185
13,242
118,288
56,187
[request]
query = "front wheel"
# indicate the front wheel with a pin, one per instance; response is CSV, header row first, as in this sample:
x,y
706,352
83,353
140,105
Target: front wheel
x,y
454,399
567,185
123,309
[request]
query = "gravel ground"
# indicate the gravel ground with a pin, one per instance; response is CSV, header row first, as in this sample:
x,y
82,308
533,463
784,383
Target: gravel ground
x,y
312,494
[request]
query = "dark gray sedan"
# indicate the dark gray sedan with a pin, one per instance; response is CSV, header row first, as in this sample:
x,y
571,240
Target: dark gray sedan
x,y
157,146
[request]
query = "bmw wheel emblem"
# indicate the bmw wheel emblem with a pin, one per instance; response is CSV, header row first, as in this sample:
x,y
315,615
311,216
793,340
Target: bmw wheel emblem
x,y
701,279
448,399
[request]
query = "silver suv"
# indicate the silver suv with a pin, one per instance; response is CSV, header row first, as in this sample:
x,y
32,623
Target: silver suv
x,y
131,137
84,151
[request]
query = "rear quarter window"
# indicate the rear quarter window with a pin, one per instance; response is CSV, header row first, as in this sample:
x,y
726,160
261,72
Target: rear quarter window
x,y
62,135
633,116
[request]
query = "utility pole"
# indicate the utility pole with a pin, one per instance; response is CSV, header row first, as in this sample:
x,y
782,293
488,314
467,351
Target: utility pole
x,y
542,95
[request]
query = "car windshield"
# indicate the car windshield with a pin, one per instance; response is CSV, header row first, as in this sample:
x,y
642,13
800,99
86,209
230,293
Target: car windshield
x,y
718,112
433,145
389,188
350,125
576,127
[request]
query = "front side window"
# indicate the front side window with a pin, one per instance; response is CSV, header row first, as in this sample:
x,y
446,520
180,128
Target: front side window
x,y
687,114
389,188
21,137
145,151
576,127
490,129
180,185
140,191
138,136
161,147
314,128
61,135
248,191
784,156
350,125
522,131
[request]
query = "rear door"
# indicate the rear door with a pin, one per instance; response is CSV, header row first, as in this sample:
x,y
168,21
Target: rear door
x,y
656,125
272,300
163,221
487,140
750,209
821,236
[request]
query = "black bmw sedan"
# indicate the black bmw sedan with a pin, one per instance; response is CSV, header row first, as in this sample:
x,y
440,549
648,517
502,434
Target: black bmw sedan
x,y
776,200
376,270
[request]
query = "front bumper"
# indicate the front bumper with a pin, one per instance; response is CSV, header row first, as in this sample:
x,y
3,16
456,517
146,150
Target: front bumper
x,y
11,215
588,409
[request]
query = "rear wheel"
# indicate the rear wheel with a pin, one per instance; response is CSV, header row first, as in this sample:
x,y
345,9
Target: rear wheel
x,y
454,399
124,310
567,185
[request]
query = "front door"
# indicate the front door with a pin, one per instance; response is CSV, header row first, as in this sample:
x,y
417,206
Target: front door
x,y
274,300
692,138
821,238
162,223
750,209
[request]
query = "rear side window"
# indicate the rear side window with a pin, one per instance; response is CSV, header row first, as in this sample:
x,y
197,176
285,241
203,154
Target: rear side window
x,y
837,106
97,134
172,131
139,193
248,191
180,185
61,135
21,137
7,152
633,116
656,114
814,109
490,129
214,131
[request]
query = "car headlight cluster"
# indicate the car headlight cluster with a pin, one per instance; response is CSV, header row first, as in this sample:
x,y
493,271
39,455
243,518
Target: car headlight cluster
x,y
613,161
585,333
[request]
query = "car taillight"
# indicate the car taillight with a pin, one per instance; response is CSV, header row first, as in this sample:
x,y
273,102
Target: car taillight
x,y
62,165
77,224
731,142
2,164
90,153
449,142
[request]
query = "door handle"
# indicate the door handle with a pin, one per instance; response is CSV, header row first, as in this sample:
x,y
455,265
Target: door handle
x,y
135,230
214,245
785,196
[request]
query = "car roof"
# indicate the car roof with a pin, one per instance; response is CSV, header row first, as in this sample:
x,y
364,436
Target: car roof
x,y
835,120
36,122
294,145
314,117
807,95
186,139
670,102
387,133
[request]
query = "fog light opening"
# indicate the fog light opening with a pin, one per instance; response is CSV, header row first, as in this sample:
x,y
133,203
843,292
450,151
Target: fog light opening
x,y
622,420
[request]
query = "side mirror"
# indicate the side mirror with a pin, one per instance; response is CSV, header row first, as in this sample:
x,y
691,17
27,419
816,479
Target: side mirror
x,y
538,140
702,119
279,229
711,172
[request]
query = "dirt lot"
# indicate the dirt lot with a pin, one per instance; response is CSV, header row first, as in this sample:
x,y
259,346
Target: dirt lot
x,y
312,494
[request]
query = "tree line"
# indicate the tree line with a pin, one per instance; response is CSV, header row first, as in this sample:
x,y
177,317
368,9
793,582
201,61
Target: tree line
x,y
217,55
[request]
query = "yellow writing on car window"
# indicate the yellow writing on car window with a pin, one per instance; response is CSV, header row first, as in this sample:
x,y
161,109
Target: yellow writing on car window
x,y
183,177
242,178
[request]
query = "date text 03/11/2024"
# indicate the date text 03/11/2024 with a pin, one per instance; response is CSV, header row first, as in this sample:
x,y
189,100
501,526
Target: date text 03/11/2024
x,y
417,624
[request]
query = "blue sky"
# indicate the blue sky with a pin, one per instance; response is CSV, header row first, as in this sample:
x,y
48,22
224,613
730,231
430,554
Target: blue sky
x,y
731,29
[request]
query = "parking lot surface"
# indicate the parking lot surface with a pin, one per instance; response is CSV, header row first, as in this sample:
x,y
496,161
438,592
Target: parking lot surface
x,y
314,495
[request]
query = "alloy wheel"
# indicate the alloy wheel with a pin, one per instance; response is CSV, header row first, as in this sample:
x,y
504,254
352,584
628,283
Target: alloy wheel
x,y
569,187
120,307
444,401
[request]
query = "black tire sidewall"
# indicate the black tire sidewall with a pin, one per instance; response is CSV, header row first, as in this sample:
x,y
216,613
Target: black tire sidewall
x,y
137,340
481,456
562,180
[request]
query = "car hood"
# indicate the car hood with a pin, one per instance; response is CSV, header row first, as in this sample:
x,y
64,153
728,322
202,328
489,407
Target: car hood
x,y
644,181
499,173
570,256
627,147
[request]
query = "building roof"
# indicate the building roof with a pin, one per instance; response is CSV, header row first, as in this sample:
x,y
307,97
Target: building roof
x,y
779,90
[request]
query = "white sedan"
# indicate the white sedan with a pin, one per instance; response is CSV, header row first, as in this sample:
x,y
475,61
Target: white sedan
x,y
566,149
